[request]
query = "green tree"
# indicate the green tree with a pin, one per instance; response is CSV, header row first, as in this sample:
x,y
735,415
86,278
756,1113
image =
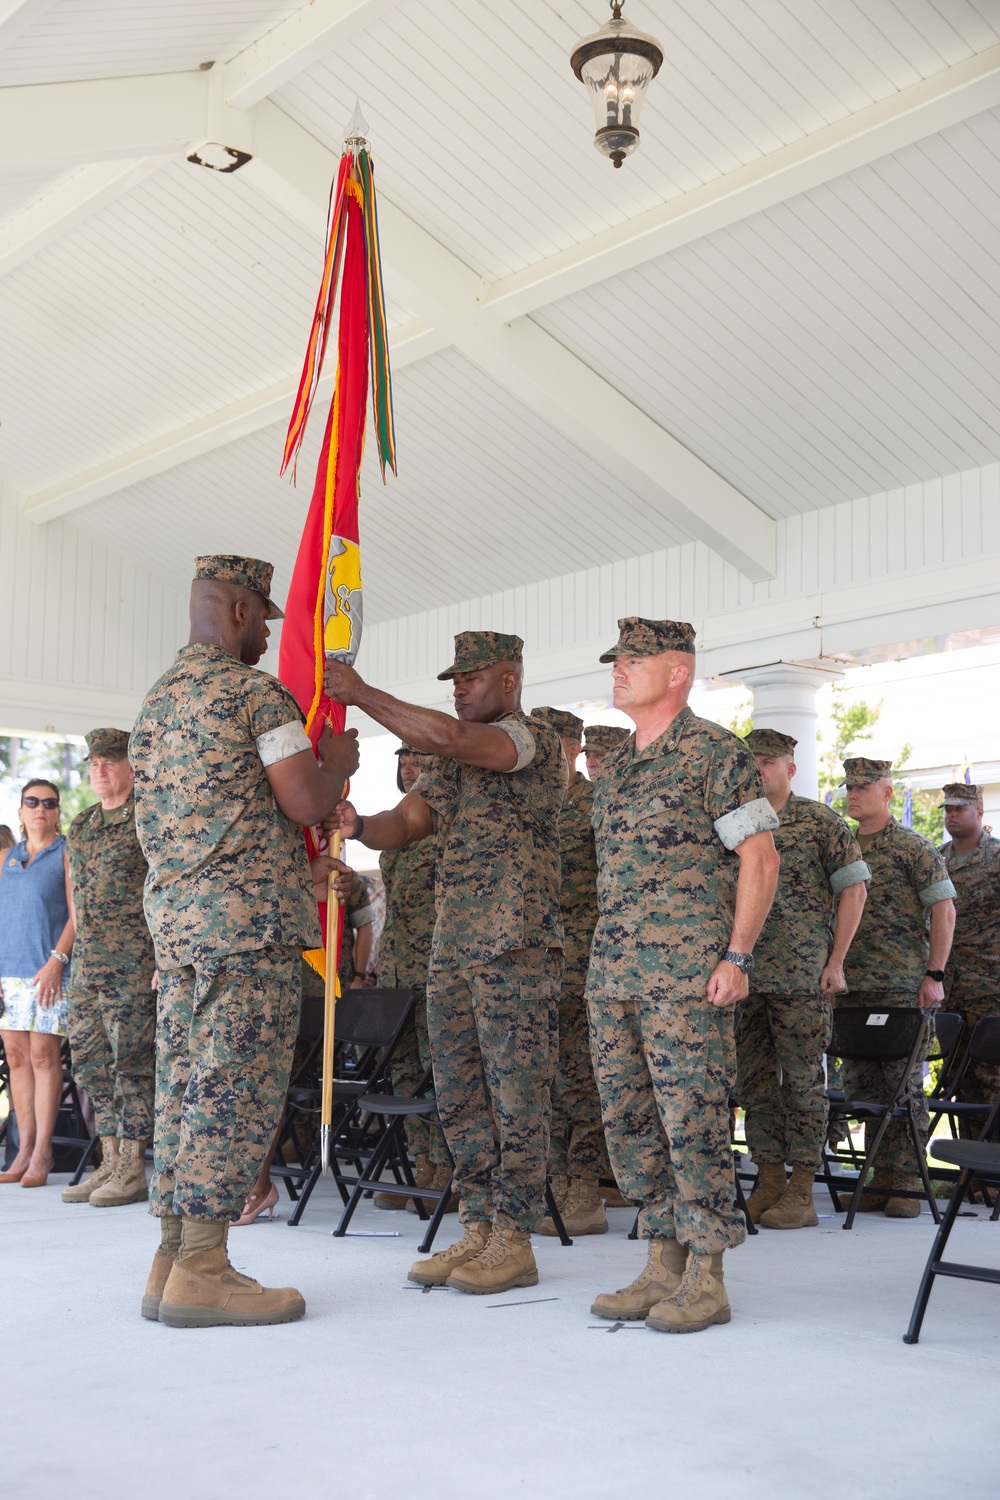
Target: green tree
x,y
741,722
849,721
928,811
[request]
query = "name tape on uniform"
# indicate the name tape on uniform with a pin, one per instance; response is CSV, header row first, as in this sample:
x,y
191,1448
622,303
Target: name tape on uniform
x,y
878,1019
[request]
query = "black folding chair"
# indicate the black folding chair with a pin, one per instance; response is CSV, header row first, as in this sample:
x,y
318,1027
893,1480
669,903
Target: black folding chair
x,y
367,1032
877,1034
980,1159
983,1047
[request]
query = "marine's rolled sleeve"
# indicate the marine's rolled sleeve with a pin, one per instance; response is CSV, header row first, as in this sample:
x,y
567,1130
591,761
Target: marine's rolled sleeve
x,y
941,890
524,742
856,873
753,817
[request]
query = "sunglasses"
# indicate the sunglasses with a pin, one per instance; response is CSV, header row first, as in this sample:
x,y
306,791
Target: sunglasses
x,y
49,803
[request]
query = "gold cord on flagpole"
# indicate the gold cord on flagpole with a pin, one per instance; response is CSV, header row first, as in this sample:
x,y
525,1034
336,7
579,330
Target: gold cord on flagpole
x,y
330,1006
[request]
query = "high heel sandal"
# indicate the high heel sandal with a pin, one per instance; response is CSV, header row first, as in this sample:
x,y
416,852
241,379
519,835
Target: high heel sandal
x,y
37,1179
251,1215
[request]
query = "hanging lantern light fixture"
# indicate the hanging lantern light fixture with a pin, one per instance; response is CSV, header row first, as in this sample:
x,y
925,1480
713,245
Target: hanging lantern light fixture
x,y
617,64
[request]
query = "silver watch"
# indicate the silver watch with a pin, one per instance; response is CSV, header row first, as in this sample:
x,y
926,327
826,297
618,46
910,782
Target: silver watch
x,y
62,957
743,961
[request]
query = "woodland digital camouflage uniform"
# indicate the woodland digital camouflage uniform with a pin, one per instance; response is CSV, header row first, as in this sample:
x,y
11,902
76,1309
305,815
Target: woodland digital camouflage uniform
x,y
493,983
576,1145
112,1006
403,958
887,961
784,1024
230,905
358,913
666,821
972,979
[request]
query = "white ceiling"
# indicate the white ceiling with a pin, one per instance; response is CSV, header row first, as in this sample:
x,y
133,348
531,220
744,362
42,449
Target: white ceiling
x,y
835,344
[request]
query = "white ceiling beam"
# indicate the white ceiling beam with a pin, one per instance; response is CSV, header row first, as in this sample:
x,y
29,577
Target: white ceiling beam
x,y
955,94
105,119
294,45
17,15
297,170
88,190
407,343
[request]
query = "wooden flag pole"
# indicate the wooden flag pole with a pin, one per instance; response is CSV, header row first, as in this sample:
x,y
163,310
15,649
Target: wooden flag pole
x,y
330,1007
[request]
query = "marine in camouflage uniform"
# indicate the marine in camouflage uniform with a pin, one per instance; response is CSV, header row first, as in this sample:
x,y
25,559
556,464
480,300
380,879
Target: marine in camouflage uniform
x,y
598,742
972,981
492,795
668,820
577,1154
888,961
229,902
112,1006
358,913
783,1027
408,876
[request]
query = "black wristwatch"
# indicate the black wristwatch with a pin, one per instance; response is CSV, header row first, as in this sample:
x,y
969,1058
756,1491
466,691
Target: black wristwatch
x,y
743,961
937,974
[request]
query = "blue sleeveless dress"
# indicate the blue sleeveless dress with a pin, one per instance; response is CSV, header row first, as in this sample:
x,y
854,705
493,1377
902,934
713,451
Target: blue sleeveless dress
x,y
33,913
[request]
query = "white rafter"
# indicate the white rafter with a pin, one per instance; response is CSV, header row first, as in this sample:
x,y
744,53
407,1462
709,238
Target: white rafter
x,y
67,205
957,93
294,45
17,15
62,124
296,169
409,342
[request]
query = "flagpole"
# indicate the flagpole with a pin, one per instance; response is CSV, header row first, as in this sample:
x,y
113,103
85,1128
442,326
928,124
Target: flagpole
x,y
330,1007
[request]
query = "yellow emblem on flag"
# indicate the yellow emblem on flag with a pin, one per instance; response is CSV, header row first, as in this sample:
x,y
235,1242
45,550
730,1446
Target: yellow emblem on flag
x,y
343,612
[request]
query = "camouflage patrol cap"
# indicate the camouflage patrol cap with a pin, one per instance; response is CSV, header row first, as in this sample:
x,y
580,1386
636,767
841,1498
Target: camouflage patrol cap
x,y
568,725
637,637
112,744
405,749
603,738
962,794
247,572
770,742
475,649
861,772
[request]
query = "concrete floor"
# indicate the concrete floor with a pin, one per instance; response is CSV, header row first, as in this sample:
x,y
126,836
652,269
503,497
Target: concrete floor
x,y
386,1391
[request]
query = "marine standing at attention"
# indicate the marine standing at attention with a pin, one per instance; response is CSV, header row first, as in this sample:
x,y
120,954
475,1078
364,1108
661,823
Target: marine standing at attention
x,y
112,1004
783,1027
686,872
224,777
493,797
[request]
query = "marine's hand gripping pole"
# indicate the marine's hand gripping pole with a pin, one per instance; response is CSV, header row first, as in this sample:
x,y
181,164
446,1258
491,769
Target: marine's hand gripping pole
x,y
330,1008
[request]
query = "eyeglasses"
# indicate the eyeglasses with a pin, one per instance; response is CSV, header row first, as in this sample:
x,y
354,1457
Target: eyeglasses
x,y
49,803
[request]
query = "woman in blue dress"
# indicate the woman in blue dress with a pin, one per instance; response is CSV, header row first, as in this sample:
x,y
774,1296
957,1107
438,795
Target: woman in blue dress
x,y
36,940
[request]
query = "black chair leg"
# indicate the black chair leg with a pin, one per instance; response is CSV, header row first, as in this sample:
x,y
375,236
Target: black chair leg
x,y
921,1156
633,1233
369,1177
866,1166
306,1193
84,1160
912,1334
435,1222
555,1215
741,1204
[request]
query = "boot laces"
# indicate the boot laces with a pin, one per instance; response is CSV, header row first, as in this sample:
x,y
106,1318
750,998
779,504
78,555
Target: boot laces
x,y
465,1243
497,1248
694,1281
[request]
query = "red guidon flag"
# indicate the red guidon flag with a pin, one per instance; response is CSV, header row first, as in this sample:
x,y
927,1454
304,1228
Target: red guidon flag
x,y
323,616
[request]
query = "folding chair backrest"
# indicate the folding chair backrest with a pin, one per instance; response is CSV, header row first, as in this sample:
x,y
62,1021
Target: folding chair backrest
x,y
948,1028
984,1043
873,1033
372,1018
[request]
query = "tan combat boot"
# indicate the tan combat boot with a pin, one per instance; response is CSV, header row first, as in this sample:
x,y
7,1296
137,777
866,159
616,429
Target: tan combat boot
x,y
127,1183
582,1210
507,1261
163,1263
768,1190
436,1270
699,1301
109,1160
442,1176
904,1208
796,1210
660,1277
203,1290
615,1198
869,1203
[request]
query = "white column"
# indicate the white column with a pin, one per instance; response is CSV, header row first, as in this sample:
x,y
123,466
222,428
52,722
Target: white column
x,y
784,697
